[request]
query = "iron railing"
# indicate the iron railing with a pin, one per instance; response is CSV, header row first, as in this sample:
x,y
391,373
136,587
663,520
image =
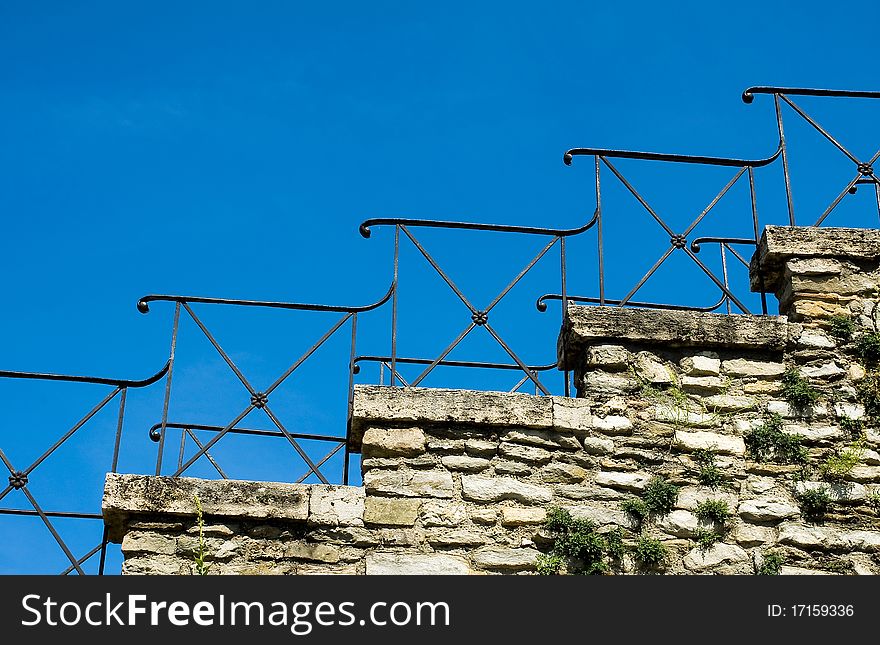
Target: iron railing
x,y
20,478
864,169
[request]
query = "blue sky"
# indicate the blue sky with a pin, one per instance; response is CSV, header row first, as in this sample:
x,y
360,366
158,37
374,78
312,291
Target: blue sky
x,y
223,149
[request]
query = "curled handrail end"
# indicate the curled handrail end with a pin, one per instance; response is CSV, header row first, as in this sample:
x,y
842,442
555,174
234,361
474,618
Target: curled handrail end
x,y
695,246
567,157
747,96
155,435
355,369
364,230
142,306
540,305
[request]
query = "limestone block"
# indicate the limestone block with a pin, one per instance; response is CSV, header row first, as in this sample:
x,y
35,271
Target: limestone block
x,y
408,564
393,442
464,463
842,492
312,552
598,446
456,537
517,516
724,444
336,505
760,369
439,513
702,384
403,483
828,538
701,365
571,414
391,511
650,369
477,488
608,357
630,481
826,370
480,447
148,542
767,509
699,559
728,403
612,425
506,558
749,535
528,454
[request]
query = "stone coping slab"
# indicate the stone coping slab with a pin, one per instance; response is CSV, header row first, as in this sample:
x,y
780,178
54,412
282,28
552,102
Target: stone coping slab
x,y
131,495
587,325
781,243
383,405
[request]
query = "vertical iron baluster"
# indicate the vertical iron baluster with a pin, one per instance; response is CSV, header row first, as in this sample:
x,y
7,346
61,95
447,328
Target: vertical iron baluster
x,y
113,466
182,450
168,388
784,159
567,389
354,323
599,236
757,238
394,306
724,273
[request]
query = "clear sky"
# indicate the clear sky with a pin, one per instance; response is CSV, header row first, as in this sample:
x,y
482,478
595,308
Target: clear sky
x,y
231,149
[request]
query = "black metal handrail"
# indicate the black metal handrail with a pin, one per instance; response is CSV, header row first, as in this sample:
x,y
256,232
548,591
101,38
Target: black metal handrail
x,y
19,479
259,399
864,169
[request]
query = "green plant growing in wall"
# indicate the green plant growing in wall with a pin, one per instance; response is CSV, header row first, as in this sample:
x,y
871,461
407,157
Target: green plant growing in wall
x,y
815,504
660,496
635,507
709,474
798,392
867,346
874,501
768,442
841,327
706,537
840,463
201,565
771,564
868,391
577,546
650,553
854,427
713,510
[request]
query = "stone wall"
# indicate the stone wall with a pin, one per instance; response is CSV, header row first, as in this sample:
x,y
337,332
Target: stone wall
x,y
780,411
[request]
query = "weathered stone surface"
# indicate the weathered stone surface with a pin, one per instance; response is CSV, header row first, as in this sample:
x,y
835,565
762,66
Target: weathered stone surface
x,y
779,245
783,409
728,403
802,571
312,552
464,463
518,516
762,387
815,339
751,535
740,367
412,483
585,491
699,559
769,509
480,447
843,492
505,558
625,481
528,454
864,474
391,511
511,468
602,514
598,446
393,442
417,405
477,488
484,515
456,538
612,425
689,497
409,564
336,505
813,433
571,414
156,565
683,524
702,384
148,542
650,369
679,415
828,538
849,410
128,496
701,365
609,383
440,513
608,357
561,473
724,444
586,325
826,370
